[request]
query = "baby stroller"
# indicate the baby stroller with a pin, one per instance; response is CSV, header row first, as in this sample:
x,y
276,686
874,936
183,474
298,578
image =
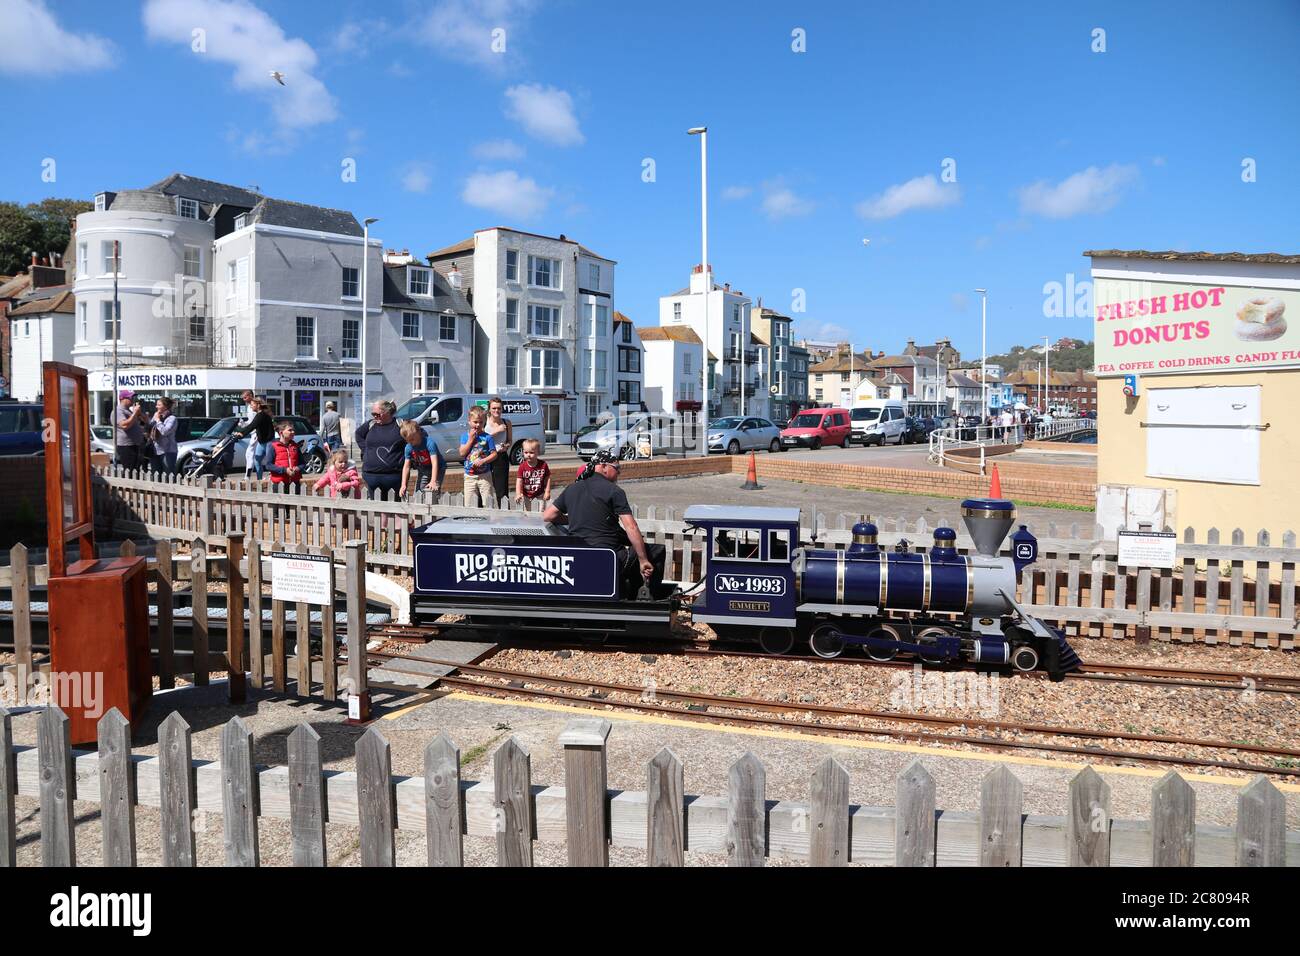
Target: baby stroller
x,y
216,462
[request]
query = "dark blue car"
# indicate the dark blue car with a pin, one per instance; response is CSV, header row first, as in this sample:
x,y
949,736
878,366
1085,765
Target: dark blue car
x,y
20,428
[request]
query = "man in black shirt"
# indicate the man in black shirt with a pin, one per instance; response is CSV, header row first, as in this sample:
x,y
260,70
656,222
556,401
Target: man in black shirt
x,y
597,511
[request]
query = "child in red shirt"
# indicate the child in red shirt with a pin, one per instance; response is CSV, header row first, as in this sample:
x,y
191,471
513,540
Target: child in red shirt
x,y
534,478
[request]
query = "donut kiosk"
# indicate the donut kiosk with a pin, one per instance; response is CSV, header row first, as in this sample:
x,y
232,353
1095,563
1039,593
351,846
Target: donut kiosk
x,y
98,608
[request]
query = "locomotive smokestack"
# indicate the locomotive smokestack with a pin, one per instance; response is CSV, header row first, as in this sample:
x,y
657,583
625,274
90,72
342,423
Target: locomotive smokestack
x,y
987,522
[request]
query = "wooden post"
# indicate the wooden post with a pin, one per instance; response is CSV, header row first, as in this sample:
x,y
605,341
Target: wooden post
x,y
746,812
58,789
584,740
199,594
828,824
164,574
375,799
116,789
513,808
1087,832
302,642
665,843
914,821
279,663
1261,824
256,641
239,794
359,691
20,592
1002,801
328,649
443,820
1173,822
8,792
306,797
176,791
237,688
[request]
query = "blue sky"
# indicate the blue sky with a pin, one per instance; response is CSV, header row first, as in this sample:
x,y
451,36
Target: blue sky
x,y
1056,148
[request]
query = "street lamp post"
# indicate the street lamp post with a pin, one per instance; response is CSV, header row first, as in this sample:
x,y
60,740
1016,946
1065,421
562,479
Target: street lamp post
x,y
1047,373
365,311
984,351
703,133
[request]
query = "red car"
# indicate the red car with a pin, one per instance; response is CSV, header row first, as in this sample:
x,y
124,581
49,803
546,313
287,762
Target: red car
x,y
815,427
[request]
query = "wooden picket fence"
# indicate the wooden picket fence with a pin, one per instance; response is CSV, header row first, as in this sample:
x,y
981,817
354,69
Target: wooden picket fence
x,y
584,813
242,608
1222,589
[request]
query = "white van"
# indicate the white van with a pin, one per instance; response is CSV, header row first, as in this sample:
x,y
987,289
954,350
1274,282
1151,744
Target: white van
x,y
445,418
875,423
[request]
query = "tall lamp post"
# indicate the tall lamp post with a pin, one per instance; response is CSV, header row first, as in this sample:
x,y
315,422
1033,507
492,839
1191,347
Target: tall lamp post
x,y
703,133
365,311
984,351
1047,373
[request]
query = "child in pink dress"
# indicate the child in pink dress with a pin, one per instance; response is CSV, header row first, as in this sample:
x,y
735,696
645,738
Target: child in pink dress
x,y
340,478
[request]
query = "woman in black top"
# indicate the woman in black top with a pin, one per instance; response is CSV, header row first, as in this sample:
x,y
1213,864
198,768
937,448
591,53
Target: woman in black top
x,y
383,450
262,427
501,432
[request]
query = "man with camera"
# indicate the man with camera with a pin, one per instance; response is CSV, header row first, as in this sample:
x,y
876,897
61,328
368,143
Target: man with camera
x,y
128,430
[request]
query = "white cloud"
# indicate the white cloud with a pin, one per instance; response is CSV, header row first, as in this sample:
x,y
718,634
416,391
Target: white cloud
x,y
463,29
1157,160
356,37
416,178
780,202
508,193
499,149
1093,190
923,192
246,38
35,43
545,113
736,192
820,331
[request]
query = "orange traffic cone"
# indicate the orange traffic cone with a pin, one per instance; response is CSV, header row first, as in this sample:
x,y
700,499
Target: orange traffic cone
x,y
995,485
751,478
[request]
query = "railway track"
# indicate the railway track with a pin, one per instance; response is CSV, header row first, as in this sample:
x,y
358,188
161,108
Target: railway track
x,y
1238,681
483,678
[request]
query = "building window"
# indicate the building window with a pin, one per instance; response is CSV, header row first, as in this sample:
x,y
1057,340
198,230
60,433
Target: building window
x,y
111,265
352,338
83,263
447,328
351,282
306,336
101,202
735,346
106,314
193,262
586,368
231,277
187,208
543,368
417,281
512,265
588,319
627,331
544,321
544,272
426,376
593,275
602,321
778,353
817,394
629,393
411,326
629,360
241,220
232,343
198,326
735,313
686,363
512,315
83,322
602,368
677,311
512,366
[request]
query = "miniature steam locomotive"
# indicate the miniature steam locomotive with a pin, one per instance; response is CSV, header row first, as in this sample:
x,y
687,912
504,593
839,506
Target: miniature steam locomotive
x,y
515,572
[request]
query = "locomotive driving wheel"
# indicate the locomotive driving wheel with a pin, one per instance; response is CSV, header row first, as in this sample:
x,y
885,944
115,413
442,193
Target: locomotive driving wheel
x,y
929,636
776,640
825,641
884,632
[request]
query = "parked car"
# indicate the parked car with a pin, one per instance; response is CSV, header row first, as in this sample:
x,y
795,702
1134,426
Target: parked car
x,y
915,429
20,428
446,418
191,454
621,436
968,430
815,427
735,434
878,423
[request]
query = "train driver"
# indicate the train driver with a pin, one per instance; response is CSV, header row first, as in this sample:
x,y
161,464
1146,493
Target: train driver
x,y
597,511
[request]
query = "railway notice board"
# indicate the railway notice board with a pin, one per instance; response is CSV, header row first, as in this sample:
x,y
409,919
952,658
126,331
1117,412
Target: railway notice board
x,y
304,578
1147,549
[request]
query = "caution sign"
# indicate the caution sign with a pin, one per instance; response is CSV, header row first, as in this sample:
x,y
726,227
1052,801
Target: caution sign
x,y
1147,549
301,578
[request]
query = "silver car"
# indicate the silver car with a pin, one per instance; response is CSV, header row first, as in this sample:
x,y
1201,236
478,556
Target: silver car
x,y
736,434
622,436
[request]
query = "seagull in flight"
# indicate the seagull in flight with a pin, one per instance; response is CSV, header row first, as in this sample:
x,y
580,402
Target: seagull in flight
x,y
278,77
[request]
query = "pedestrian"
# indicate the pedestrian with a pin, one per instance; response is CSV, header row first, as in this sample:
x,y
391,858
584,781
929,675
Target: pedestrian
x,y
423,463
283,458
331,429
382,450
534,478
259,429
479,451
502,434
162,436
128,430
340,478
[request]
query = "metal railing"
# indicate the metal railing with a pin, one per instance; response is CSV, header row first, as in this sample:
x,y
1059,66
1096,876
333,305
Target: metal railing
x,y
973,440
1061,427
